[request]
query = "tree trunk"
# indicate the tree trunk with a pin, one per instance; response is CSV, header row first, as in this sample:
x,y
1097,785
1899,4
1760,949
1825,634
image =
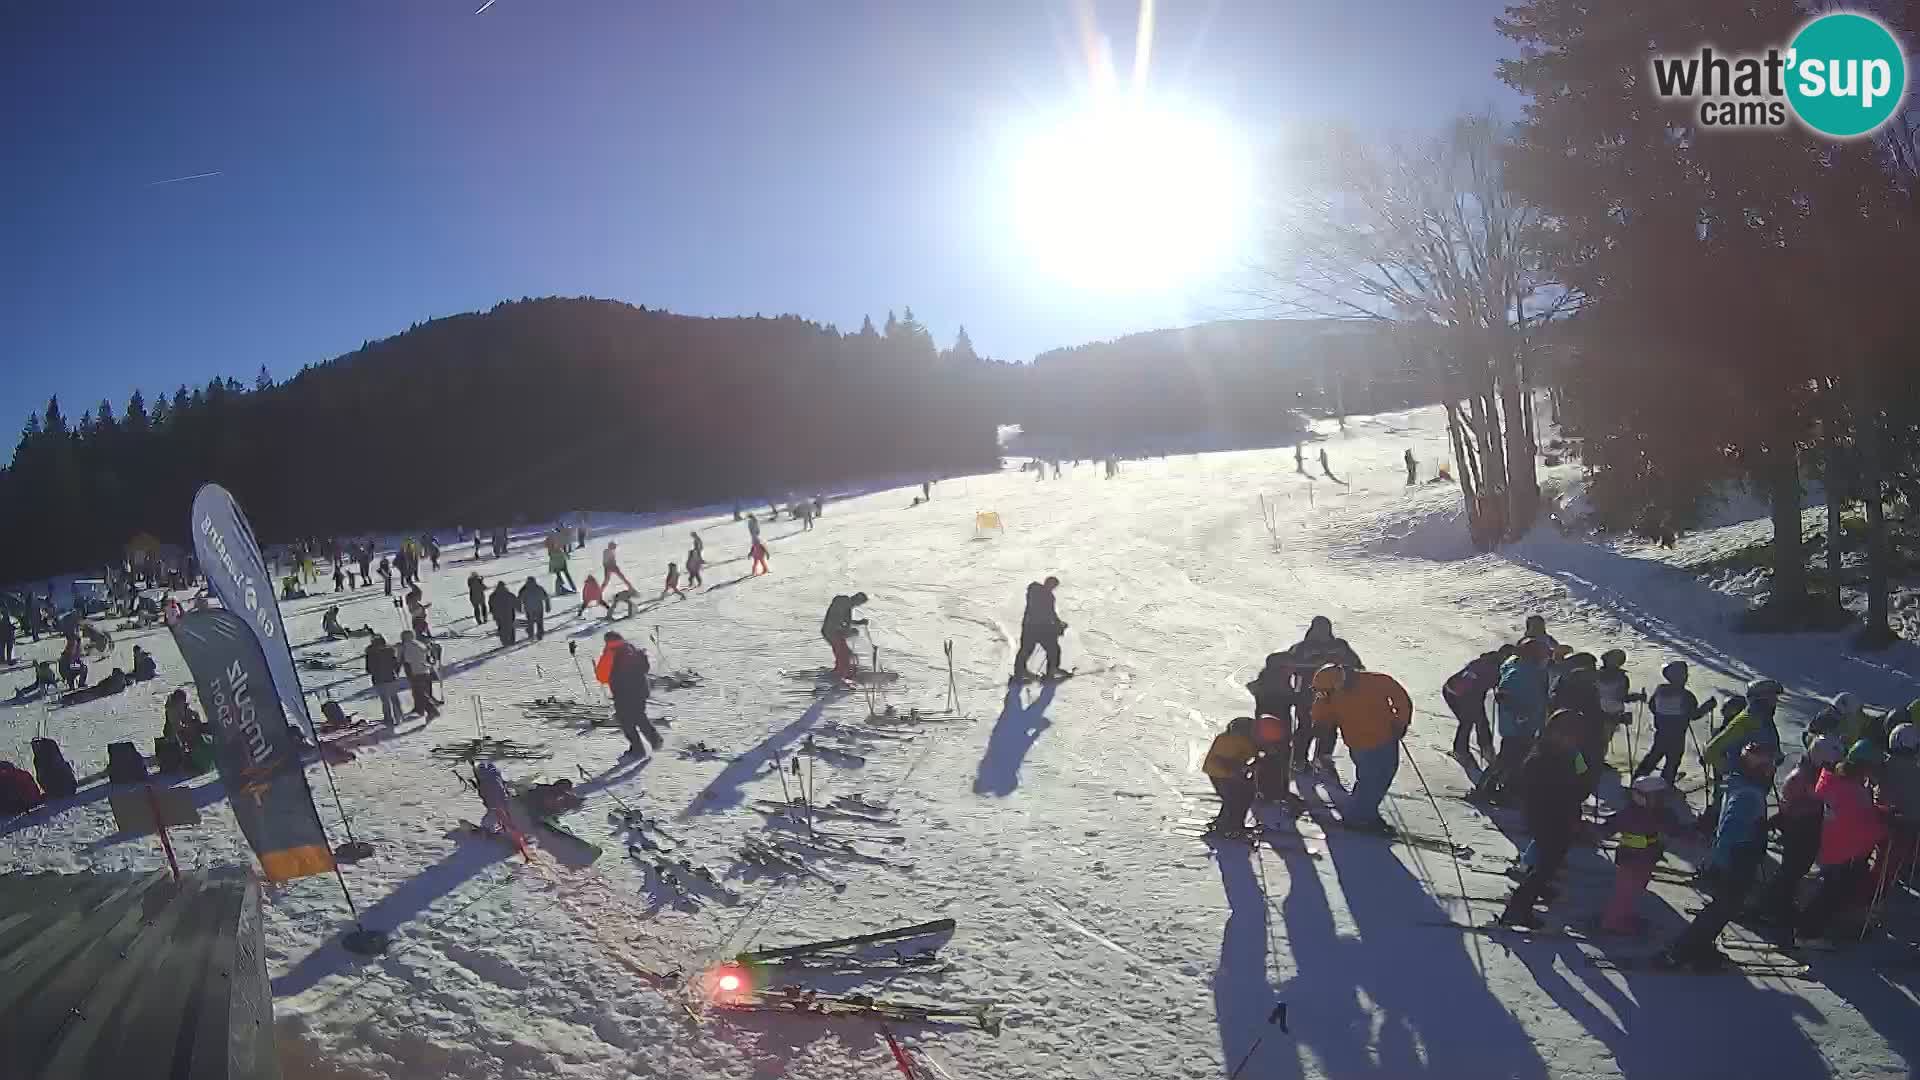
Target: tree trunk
x,y
1878,631
1523,486
1780,474
1834,497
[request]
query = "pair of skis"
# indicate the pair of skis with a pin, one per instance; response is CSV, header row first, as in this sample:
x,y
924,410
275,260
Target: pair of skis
x,y
776,859
1785,967
693,882
813,1003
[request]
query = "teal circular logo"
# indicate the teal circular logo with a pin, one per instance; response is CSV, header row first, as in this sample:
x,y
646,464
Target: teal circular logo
x,y
1846,75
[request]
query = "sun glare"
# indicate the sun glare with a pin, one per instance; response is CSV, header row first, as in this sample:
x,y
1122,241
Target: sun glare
x,y
1129,196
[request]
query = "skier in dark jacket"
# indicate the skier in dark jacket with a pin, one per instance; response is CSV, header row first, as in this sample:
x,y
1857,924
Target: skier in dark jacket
x,y
1040,627
1552,784
533,603
1316,649
477,596
505,606
837,629
383,667
1273,700
624,670
1466,696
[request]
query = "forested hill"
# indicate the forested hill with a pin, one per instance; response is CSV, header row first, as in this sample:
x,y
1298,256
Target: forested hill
x,y
1243,377
532,408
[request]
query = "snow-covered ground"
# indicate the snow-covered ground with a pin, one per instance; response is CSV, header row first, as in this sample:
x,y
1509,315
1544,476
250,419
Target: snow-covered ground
x,y
1042,824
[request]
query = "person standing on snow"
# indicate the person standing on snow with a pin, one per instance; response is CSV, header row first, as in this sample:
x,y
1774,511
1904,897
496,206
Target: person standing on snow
x,y
383,668
504,606
699,548
1739,847
1316,649
591,594
1674,710
419,667
757,558
477,596
1373,710
6,639
1040,627
1616,690
1520,708
1226,765
417,606
533,603
610,567
476,545
1853,826
1412,470
1798,821
557,564
1274,701
1899,791
694,561
623,669
1552,783
1844,718
1466,696
1754,724
837,629
673,582
433,550
1639,827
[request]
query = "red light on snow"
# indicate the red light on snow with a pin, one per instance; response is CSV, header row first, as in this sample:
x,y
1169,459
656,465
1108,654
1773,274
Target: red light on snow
x,y
727,982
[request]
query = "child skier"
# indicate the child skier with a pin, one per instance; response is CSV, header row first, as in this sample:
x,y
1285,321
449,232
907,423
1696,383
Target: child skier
x,y
758,554
1639,827
1900,792
1466,697
1674,709
837,629
1616,690
1273,699
673,582
1552,783
1798,822
1739,846
1226,767
1852,828
610,567
590,595
477,596
693,565
1520,706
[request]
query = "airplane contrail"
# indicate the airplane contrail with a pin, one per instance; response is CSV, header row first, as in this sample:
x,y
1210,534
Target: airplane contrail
x,y
484,7
183,179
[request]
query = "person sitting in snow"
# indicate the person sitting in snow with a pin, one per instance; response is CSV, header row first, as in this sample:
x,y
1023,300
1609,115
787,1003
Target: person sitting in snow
x,y
143,665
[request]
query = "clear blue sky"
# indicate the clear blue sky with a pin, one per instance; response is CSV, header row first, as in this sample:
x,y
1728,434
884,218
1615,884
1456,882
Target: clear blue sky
x,y
383,163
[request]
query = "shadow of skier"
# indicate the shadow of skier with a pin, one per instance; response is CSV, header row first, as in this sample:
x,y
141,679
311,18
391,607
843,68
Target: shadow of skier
x,y
1014,733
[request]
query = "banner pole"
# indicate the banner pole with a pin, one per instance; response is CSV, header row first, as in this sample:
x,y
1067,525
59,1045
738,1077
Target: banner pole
x,y
160,826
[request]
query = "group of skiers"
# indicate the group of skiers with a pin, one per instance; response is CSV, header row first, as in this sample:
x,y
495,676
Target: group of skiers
x,y
505,607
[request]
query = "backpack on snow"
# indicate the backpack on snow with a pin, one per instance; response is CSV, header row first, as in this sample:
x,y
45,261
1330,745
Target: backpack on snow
x,y
336,717
124,764
19,792
51,769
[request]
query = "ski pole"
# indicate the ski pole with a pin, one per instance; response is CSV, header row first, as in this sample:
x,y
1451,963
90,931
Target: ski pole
x,y
786,796
1277,1016
573,650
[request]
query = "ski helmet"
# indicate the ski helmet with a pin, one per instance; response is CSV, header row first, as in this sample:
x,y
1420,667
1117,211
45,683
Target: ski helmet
x,y
1763,690
1675,672
1846,703
1865,753
1613,657
1650,786
1904,738
1330,678
1757,759
1825,751
1582,661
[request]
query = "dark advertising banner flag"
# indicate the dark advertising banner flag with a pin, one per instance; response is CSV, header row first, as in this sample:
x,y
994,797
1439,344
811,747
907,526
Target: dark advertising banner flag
x,y
266,784
230,557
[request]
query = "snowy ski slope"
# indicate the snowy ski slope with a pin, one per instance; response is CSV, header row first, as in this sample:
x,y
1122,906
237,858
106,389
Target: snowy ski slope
x,y
1043,824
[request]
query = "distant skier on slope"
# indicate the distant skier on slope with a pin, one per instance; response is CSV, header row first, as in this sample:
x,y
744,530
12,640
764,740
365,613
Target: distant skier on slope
x,y
673,582
1040,627
533,603
757,558
694,561
1300,458
837,629
557,550
1374,711
1412,468
591,594
610,567
477,596
1327,469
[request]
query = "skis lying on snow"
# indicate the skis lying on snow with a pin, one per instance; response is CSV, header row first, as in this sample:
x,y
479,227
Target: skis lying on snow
x,y
897,933
684,877
828,750
1665,874
798,1000
767,806
1644,965
491,749
773,858
926,961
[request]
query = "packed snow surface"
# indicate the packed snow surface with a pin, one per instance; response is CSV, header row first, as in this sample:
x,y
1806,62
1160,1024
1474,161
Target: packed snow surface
x,y
1043,822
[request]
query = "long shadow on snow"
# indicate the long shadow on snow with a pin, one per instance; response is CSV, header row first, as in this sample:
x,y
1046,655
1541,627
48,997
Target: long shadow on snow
x,y
1433,1007
1014,733
1677,608
1661,1018
724,791
467,861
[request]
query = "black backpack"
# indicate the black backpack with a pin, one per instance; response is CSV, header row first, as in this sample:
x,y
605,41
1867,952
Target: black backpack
x,y
335,715
124,764
50,768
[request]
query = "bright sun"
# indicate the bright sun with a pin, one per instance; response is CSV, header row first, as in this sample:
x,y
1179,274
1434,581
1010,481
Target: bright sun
x,y
1128,195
